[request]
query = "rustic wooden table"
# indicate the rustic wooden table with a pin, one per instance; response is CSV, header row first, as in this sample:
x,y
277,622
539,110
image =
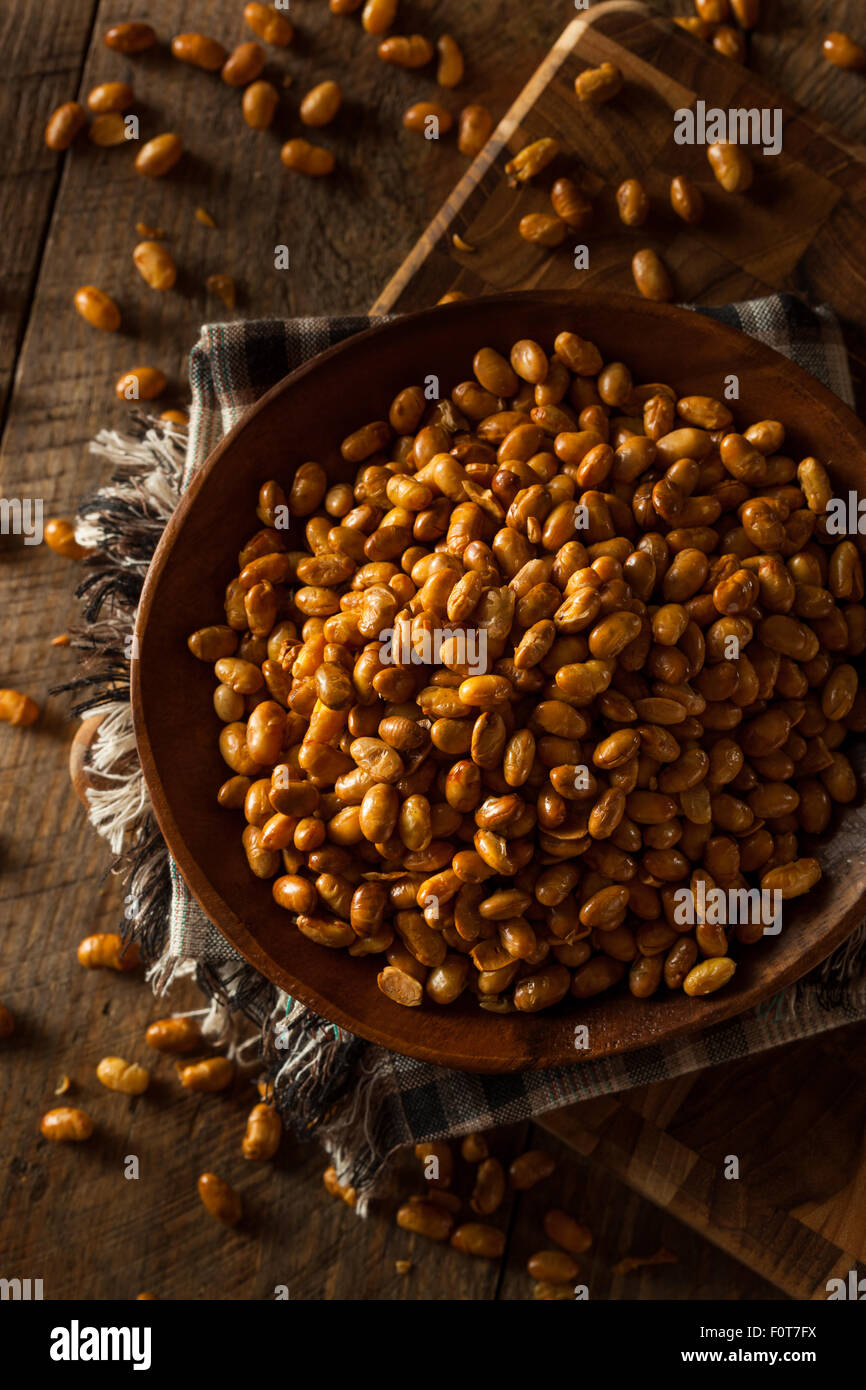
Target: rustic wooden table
x,y
69,1216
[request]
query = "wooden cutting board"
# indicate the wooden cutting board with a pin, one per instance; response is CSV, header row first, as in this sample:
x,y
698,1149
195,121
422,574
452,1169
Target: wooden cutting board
x,y
802,225
794,1117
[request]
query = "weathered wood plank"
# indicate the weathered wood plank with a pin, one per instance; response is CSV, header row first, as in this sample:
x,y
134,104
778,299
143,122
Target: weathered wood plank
x,y
43,50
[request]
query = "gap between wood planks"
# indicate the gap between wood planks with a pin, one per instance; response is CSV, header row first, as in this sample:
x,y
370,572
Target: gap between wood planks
x,y
43,237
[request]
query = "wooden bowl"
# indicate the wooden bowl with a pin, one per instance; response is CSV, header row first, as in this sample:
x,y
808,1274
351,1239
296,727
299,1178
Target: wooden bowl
x,y
305,416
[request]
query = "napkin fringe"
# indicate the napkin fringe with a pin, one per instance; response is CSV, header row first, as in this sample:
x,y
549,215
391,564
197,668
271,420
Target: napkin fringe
x,y
308,1063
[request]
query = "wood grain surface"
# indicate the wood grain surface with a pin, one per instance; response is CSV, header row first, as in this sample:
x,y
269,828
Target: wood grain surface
x,y
67,220
793,1119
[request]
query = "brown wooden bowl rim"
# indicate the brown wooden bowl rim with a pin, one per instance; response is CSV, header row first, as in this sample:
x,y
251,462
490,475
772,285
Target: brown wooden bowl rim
x,y
716,1008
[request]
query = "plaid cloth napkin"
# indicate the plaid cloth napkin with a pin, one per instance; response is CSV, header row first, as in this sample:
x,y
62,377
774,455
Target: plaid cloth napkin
x,y
362,1101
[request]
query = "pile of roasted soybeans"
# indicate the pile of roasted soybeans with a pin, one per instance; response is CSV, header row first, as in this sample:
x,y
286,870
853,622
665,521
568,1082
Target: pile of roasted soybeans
x,y
566,645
